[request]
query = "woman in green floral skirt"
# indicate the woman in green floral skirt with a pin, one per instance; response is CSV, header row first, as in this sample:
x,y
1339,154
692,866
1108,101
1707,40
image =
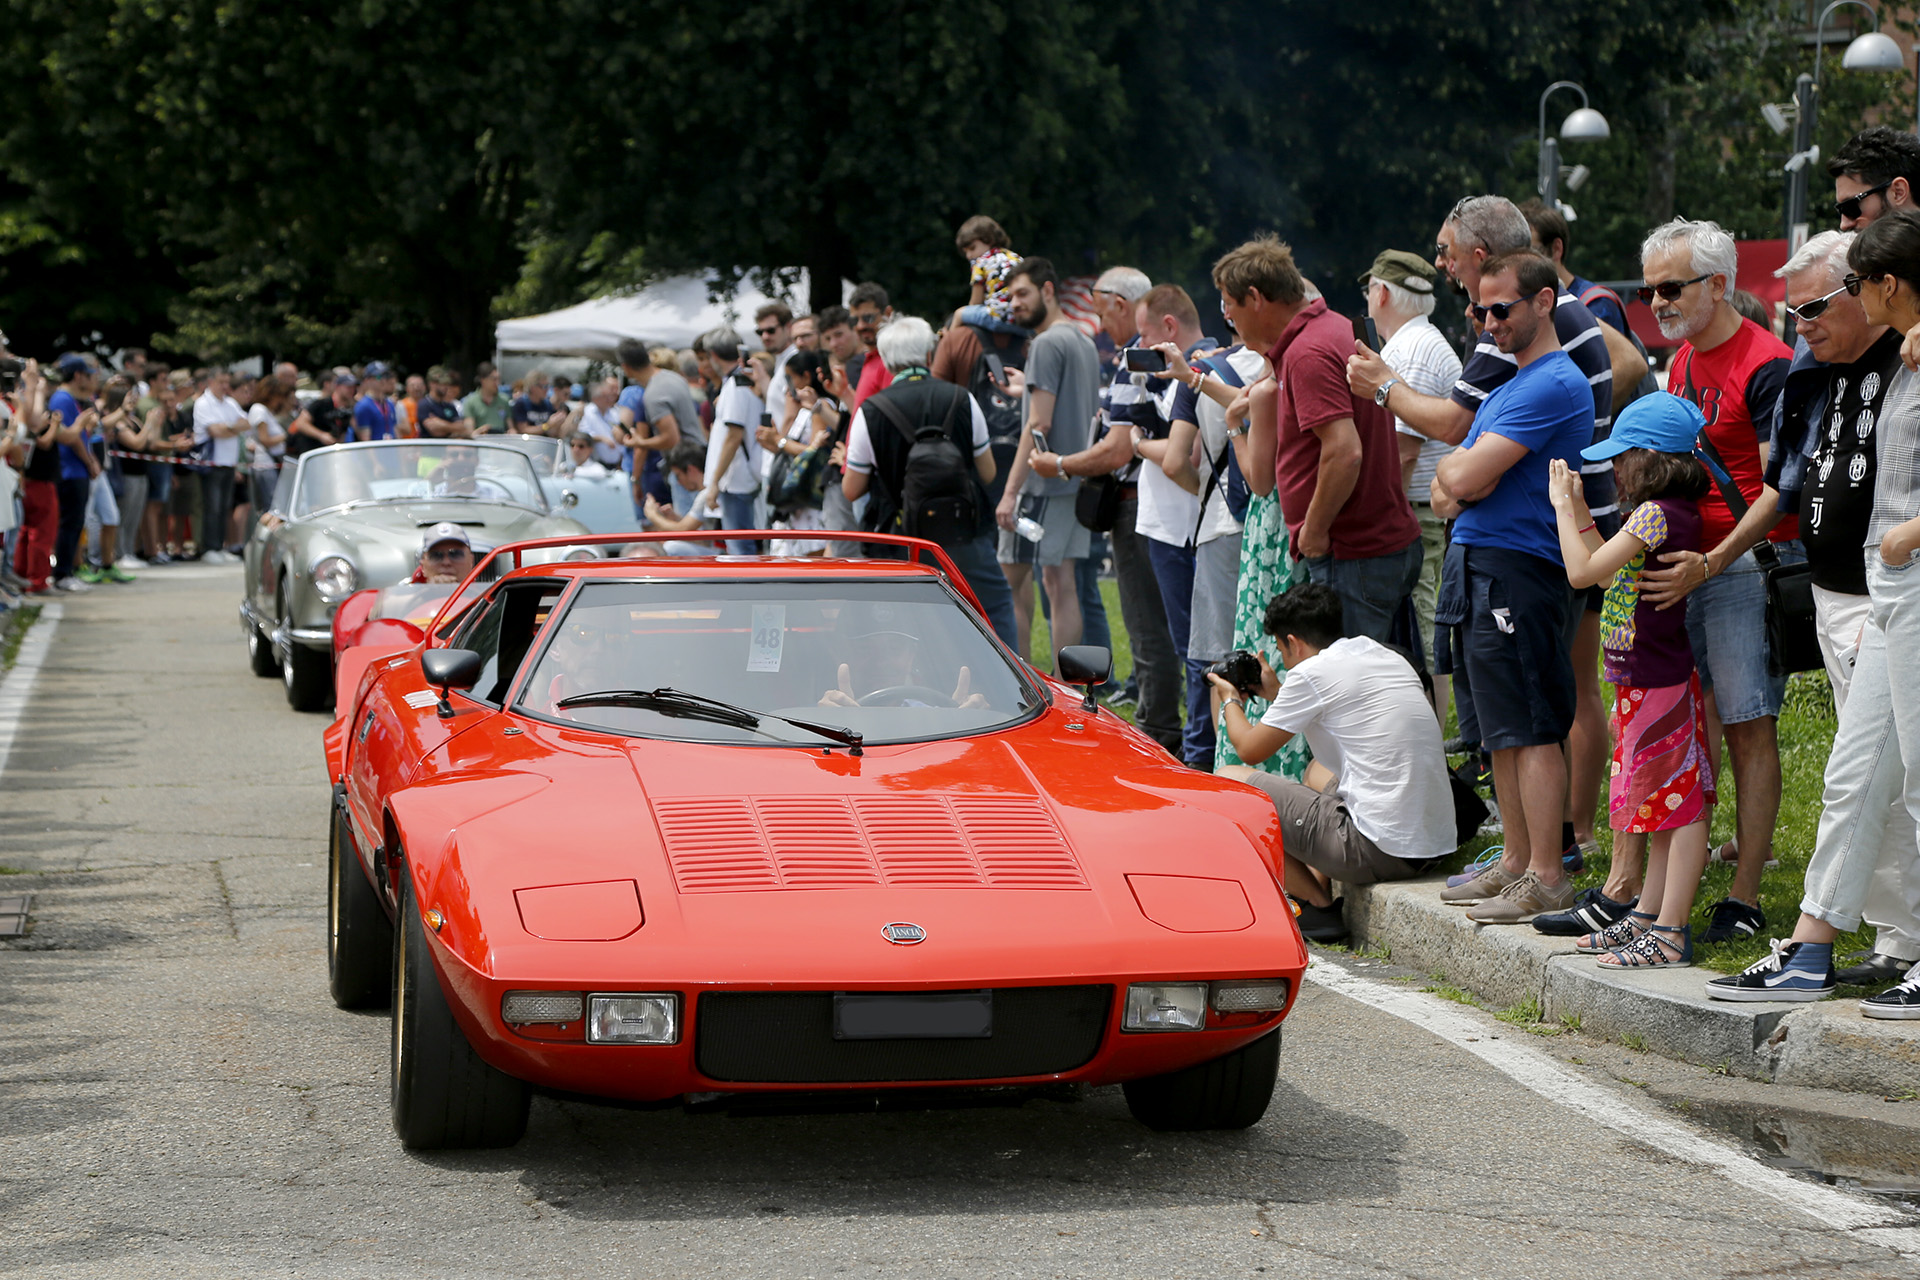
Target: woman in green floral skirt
x,y
1266,569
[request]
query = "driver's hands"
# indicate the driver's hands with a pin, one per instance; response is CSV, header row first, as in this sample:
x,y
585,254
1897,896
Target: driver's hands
x,y
961,698
842,696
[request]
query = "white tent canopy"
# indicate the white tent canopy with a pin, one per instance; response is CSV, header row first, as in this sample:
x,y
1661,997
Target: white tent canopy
x,y
670,312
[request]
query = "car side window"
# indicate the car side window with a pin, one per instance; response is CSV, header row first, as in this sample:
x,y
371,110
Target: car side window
x,y
503,631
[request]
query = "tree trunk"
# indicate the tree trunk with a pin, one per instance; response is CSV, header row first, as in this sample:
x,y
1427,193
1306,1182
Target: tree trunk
x,y
1662,144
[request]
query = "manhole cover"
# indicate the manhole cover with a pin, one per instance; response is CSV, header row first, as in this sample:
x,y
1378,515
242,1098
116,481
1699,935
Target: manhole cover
x,y
13,915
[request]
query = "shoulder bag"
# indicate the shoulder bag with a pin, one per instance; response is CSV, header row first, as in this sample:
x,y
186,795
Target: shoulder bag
x,y
1793,635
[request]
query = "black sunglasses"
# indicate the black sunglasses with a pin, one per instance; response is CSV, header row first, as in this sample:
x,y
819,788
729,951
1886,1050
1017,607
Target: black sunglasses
x,y
1853,282
1811,311
1669,289
1498,310
1850,207
771,329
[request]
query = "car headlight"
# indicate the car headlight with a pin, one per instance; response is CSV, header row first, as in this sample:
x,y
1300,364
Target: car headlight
x,y
335,578
1166,1006
633,1018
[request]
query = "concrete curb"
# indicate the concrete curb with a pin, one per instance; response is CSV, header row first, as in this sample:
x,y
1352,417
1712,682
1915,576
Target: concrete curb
x,y
1828,1045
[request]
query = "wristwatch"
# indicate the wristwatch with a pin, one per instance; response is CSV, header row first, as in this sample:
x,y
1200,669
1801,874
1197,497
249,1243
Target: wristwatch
x,y
1380,396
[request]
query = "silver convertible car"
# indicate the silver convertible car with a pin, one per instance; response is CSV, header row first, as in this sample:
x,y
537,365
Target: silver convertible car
x,y
600,499
351,516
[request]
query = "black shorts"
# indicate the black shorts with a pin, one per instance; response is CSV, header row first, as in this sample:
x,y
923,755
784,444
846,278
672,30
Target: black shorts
x,y
1517,656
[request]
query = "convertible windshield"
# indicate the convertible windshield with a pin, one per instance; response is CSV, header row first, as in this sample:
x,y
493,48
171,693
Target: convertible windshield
x,y
544,452
895,661
417,471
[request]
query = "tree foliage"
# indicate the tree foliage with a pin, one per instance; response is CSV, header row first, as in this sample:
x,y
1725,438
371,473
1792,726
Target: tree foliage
x,y
333,179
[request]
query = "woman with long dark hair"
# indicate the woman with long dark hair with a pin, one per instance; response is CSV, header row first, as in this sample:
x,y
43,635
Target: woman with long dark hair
x,y
1873,771
806,444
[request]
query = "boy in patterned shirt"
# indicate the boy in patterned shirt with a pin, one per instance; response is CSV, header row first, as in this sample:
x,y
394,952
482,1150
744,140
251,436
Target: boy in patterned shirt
x,y
983,243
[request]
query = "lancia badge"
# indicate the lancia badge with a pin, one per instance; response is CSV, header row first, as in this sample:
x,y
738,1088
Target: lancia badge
x,y
903,934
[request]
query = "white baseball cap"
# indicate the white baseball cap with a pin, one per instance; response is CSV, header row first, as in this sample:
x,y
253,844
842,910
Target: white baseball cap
x,y
445,531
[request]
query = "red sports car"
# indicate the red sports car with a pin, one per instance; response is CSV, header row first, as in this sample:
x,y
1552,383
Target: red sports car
x,y
648,828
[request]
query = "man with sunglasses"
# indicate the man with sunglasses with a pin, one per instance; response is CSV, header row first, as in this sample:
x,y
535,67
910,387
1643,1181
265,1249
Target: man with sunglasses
x,y
1511,586
1734,370
867,307
1875,173
773,325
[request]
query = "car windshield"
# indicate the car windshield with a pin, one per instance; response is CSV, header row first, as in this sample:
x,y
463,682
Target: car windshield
x,y
895,660
544,452
417,602
417,471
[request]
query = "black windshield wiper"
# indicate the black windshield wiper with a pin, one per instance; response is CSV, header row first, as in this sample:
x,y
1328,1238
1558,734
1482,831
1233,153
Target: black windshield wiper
x,y
692,706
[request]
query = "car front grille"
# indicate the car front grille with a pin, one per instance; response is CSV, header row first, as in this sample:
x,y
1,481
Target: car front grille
x,y
786,1037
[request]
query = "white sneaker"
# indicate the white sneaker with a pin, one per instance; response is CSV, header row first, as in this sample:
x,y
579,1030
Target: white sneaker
x,y
216,557
129,562
72,584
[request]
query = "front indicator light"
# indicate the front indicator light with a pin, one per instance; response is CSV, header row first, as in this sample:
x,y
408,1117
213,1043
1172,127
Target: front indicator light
x,y
1268,996
521,1007
633,1019
1166,1006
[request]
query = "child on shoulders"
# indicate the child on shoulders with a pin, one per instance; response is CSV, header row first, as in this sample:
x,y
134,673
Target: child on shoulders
x,y
983,243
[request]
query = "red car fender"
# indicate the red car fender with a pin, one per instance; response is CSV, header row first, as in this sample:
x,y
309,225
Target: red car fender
x,y
351,616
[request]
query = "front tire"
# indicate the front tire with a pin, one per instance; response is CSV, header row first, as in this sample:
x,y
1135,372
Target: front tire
x,y
443,1094
309,677
1230,1092
260,653
359,935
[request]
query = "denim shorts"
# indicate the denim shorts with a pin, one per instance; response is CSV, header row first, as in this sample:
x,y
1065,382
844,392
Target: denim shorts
x,y
102,507
1727,626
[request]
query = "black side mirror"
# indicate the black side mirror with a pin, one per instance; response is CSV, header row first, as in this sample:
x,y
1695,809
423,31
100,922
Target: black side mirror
x,y
1086,665
450,669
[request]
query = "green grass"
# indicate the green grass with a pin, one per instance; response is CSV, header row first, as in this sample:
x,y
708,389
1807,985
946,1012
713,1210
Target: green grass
x,y
1438,985
14,631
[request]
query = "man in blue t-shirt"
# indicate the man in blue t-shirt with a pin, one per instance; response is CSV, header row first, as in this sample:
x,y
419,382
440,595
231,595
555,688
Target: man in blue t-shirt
x,y
1517,600
373,413
77,465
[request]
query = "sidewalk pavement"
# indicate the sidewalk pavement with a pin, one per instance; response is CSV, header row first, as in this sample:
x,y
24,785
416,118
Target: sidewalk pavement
x,y
1825,1045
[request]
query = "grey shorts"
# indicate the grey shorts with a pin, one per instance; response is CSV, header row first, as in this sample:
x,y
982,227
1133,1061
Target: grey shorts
x,y
1316,829
1065,537
1216,592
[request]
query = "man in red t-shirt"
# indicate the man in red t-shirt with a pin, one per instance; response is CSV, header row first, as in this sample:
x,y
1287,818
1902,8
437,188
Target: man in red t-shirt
x,y
870,310
1734,370
1337,462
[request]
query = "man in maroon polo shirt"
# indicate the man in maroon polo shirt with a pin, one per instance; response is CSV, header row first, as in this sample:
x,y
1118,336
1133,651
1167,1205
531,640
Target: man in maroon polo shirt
x,y
1336,462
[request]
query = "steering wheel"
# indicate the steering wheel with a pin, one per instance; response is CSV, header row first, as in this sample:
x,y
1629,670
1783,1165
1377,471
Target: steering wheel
x,y
895,694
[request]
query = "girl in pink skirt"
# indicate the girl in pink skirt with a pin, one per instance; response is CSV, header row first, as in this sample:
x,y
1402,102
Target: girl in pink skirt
x,y
1662,780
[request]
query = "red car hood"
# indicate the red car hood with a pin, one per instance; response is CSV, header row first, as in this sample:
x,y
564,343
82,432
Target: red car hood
x,y
1032,855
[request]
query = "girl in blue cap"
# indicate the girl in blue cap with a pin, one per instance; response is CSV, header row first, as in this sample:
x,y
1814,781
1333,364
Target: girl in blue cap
x,y
1662,778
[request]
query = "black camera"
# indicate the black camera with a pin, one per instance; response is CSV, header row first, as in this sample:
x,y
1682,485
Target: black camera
x,y
1240,669
11,367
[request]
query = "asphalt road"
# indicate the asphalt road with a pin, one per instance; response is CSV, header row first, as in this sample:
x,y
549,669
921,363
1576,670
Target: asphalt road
x,y
178,1096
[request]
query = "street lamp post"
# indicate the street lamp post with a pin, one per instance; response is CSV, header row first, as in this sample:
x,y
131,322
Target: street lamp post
x,y
1584,125
1872,51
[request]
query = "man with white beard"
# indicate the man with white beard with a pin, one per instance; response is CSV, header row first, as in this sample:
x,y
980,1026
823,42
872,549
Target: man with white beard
x,y
1734,370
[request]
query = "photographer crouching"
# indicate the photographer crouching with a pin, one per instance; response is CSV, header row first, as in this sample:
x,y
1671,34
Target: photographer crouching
x,y
1375,804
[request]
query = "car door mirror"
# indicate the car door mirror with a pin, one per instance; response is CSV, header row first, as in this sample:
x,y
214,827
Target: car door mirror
x,y
451,669
1086,665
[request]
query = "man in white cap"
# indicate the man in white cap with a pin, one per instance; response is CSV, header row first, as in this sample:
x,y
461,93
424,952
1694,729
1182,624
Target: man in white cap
x,y
446,554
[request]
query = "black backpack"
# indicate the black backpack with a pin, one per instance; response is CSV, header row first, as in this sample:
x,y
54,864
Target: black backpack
x,y
939,500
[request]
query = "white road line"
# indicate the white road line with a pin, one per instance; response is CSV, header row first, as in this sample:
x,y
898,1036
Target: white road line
x,y
1539,1072
18,686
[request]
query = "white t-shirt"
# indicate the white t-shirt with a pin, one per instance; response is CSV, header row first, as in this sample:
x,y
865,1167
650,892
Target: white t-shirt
x,y
267,456
860,440
735,406
1167,513
1367,719
599,425
1421,357
210,412
1213,443
776,404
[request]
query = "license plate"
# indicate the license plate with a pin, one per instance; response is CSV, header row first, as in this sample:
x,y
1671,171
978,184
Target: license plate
x,y
915,1015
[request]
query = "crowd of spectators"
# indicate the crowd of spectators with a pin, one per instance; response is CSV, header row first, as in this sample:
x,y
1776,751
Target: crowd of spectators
x,y
1332,497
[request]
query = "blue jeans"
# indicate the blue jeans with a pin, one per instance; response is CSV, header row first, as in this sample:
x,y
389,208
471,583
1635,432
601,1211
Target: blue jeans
x,y
1727,626
980,566
1173,570
736,512
978,315
1372,590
